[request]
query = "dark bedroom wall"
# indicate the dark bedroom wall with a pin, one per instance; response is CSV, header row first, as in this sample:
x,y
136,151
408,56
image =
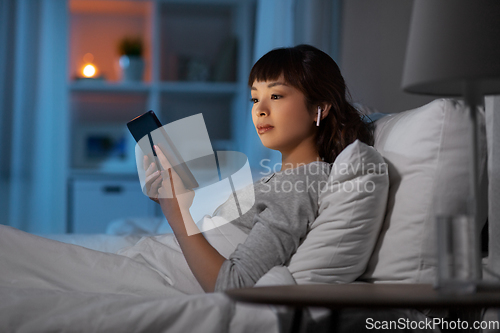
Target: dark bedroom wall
x,y
373,46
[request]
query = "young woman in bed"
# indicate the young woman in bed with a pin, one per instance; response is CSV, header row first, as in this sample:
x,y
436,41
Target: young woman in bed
x,y
300,109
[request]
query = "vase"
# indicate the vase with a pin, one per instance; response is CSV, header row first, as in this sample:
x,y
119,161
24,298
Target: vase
x,y
132,68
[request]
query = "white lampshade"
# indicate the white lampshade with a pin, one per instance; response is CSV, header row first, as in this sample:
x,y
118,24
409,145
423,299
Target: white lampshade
x,y
452,42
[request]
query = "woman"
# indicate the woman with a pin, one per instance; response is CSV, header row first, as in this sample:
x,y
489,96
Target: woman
x,y
300,109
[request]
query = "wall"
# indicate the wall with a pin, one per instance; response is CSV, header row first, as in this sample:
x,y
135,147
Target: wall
x,y
373,46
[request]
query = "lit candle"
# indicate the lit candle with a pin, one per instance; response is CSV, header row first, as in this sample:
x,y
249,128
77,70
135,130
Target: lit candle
x,y
89,70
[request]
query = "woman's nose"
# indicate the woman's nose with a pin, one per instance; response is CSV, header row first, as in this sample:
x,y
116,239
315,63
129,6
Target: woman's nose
x,y
262,110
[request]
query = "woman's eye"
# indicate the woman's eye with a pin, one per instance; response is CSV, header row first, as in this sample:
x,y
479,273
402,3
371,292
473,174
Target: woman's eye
x,y
273,96
254,100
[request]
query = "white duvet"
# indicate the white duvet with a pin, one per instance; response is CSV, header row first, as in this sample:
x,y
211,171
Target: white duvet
x,y
49,286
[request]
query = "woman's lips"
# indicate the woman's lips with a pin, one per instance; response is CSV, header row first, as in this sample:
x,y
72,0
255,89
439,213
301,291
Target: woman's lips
x,y
264,129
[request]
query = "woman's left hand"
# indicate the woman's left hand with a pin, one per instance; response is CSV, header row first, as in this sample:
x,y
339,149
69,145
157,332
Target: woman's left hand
x,y
203,259
172,193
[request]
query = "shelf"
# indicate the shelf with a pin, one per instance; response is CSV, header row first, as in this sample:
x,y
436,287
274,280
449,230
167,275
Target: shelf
x,y
221,88
197,42
103,86
196,55
93,173
128,169
199,87
113,106
97,27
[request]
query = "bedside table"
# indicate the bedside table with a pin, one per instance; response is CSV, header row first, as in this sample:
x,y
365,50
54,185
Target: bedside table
x,y
373,296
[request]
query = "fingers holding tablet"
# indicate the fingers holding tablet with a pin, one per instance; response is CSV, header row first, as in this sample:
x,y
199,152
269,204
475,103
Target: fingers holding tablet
x,y
153,179
172,184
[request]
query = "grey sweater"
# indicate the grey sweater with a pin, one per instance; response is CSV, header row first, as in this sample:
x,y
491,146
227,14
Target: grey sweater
x,y
286,203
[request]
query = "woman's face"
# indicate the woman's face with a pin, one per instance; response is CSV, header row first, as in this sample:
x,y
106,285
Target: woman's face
x,y
280,115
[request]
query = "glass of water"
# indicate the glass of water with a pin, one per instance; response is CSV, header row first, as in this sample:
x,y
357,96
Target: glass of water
x,y
457,248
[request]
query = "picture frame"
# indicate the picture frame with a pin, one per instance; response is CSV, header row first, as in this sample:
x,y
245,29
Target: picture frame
x,y
105,147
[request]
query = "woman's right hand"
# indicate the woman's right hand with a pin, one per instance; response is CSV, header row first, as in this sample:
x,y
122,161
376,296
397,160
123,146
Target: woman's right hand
x,y
153,179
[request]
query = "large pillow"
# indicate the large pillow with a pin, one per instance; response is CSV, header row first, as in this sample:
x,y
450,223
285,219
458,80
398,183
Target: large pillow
x,y
428,154
351,211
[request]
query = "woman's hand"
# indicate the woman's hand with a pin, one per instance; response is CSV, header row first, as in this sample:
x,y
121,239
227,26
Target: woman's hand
x,y
172,193
153,179
203,260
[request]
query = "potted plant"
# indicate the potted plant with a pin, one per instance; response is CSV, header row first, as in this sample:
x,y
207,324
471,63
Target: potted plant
x,y
131,61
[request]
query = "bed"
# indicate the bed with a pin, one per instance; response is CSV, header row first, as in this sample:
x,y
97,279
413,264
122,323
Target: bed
x,y
353,240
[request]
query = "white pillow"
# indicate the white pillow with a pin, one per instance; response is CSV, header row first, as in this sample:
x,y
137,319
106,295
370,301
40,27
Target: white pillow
x,y
351,211
428,154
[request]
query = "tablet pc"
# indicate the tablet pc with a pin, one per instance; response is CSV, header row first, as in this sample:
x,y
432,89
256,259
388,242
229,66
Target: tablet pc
x,y
141,128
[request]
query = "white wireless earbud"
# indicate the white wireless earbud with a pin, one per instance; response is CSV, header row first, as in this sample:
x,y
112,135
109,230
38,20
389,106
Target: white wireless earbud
x,y
319,115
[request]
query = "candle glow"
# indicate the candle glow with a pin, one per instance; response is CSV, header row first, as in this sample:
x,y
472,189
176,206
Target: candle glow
x,y
89,71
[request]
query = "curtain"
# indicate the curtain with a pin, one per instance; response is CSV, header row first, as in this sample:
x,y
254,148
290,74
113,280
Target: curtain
x,y
273,28
318,23
284,23
33,115
6,79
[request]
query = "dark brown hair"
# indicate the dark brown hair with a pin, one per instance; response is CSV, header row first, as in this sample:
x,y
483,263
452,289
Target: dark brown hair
x,y
318,77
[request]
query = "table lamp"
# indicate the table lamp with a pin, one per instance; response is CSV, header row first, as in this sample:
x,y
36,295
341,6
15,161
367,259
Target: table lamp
x,y
453,49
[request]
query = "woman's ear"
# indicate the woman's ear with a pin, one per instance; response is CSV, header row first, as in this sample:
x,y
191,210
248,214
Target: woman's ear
x,y
325,108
